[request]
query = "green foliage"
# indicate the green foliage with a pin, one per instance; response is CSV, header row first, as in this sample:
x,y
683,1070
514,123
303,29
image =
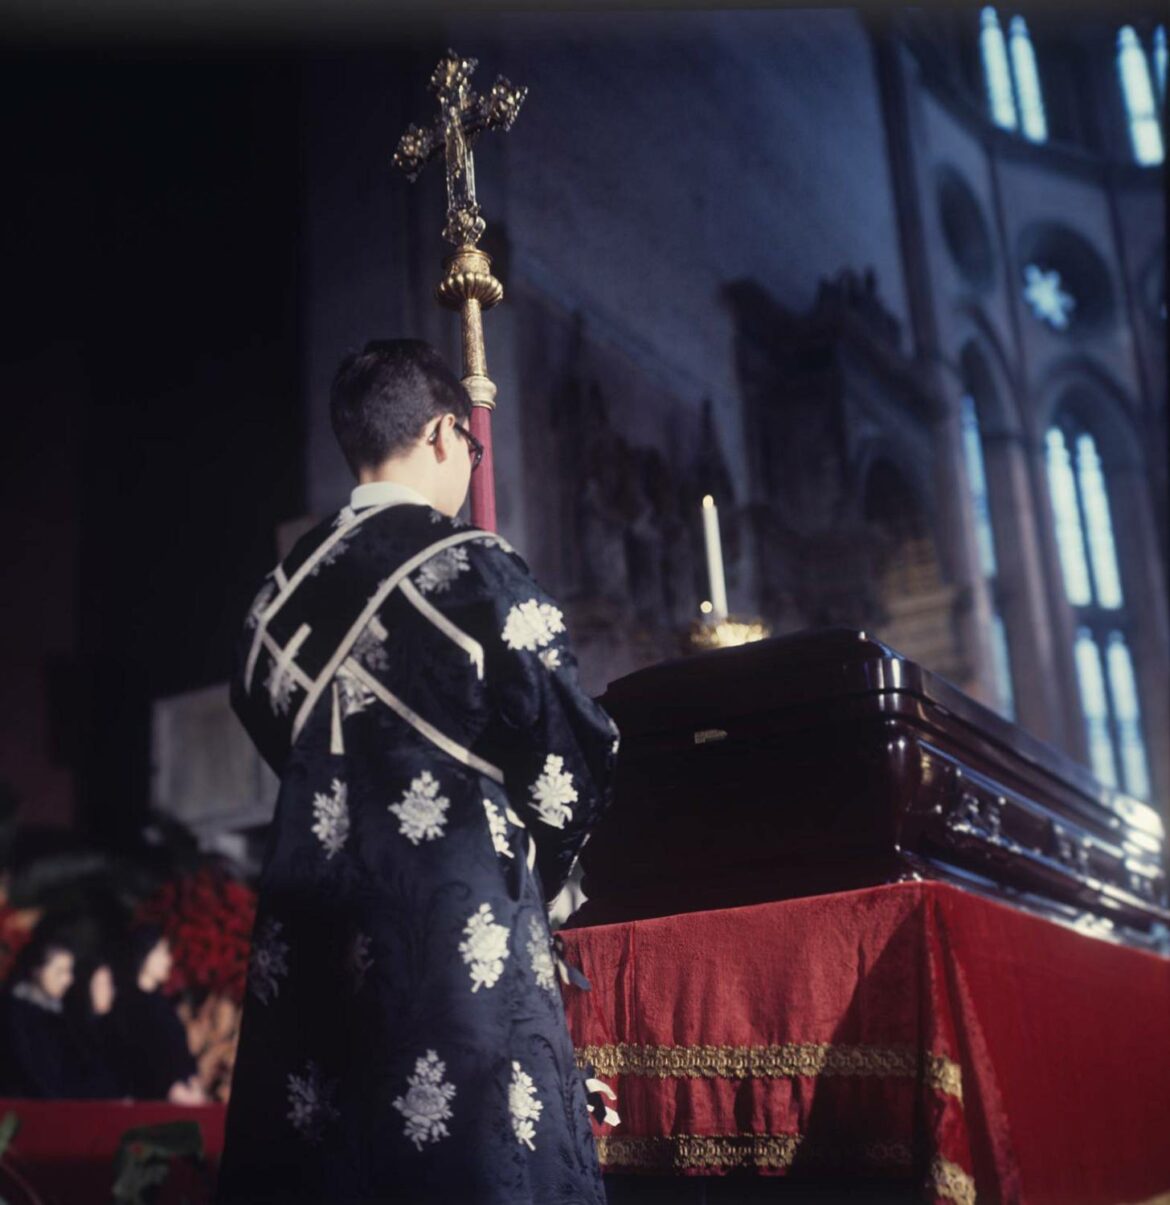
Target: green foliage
x,y
9,1124
146,1154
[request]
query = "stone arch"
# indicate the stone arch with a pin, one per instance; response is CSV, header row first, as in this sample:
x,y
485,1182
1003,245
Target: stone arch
x,y
1082,387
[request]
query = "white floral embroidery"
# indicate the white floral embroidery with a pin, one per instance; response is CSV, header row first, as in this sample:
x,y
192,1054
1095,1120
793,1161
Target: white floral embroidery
x,y
553,791
437,516
355,695
260,603
331,813
427,1103
422,811
269,961
437,574
498,826
345,516
524,1105
368,647
484,947
280,686
358,961
540,955
310,1103
551,658
332,554
532,625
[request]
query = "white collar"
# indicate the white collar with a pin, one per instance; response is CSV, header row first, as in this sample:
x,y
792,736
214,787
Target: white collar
x,y
385,493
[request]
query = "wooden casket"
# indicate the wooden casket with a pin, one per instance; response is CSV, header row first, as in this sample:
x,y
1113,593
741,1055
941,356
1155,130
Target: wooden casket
x,y
824,761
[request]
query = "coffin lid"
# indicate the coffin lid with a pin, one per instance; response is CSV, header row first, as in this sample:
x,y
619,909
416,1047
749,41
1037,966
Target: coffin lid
x,y
782,676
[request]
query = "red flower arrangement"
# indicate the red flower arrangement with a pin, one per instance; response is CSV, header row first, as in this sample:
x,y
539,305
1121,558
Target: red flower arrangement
x,y
208,917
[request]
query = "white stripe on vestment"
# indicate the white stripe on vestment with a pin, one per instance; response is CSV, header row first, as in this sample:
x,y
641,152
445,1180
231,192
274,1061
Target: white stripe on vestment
x,y
280,577
286,591
285,663
336,743
432,734
369,611
468,644
295,672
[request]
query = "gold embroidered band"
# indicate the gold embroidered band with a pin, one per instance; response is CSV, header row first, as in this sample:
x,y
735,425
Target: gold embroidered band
x,y
772,1062
951,1182
729,1152
687,1151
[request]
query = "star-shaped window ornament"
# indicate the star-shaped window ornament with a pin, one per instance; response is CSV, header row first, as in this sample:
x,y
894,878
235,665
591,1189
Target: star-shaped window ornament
x,y
1046,294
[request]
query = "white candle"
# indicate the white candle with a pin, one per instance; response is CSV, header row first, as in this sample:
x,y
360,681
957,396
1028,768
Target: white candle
x,y
714,559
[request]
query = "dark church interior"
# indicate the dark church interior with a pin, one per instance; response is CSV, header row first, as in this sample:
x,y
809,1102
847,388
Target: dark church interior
x,y
831,409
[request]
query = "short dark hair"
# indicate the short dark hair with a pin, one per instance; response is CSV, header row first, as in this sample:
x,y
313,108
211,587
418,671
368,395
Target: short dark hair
x,y
383,396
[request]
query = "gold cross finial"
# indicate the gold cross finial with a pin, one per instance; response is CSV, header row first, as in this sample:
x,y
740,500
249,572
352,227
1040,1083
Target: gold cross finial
x,y
463,116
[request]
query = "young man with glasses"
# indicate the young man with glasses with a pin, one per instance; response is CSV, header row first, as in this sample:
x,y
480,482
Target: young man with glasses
x,y
403,1036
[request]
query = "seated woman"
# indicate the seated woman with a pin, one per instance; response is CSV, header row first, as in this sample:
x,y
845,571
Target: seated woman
x,y
158,1064
40,1056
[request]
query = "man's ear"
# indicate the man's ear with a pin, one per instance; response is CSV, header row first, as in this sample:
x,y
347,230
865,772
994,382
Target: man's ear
x,y
444,433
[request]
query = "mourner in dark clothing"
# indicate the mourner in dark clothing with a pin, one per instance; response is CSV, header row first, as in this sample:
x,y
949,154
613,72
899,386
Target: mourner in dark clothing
x,y
39,1053
101,1061
150,1036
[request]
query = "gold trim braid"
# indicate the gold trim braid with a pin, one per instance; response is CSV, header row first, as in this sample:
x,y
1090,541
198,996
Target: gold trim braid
x,y
689,1151
950,1182
944,1075
733,1152
771,1062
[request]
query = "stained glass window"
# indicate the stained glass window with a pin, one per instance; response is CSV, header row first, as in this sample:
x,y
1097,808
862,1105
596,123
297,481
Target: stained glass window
x,y
1092,581
1095,706
977,480
1014,98
1136,86
1070,532
1098,525
997,73
1051,302
1131,745
1002,662
1027,82
985,536
1160,61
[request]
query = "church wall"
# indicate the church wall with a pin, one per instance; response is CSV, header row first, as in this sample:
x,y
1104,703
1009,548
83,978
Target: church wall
x,y
952,147
655,161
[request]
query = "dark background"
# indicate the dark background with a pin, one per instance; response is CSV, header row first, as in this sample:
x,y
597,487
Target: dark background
x,y
150,379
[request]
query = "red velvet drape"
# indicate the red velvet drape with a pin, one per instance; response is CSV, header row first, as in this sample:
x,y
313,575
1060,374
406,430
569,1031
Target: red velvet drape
x,y
915,1031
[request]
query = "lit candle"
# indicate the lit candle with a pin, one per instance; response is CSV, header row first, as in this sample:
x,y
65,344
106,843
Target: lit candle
x,y
714,559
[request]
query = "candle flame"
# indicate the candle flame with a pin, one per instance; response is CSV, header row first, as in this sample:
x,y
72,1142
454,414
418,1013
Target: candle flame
x,y
705,607
708,501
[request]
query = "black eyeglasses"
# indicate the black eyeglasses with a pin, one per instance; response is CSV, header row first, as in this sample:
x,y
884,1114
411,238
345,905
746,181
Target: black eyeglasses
x,y
472,443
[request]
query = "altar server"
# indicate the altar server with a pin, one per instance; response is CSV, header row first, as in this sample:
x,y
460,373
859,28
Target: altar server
x,y
403,1036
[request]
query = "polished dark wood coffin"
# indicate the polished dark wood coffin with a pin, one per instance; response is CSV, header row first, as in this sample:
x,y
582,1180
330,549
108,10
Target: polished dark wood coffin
x,y
825,761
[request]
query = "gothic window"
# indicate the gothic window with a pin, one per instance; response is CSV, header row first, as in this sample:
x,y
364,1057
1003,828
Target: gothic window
x,y
1027,82
985,535
1013,81
1160,61
1137,88
1092,584
997,73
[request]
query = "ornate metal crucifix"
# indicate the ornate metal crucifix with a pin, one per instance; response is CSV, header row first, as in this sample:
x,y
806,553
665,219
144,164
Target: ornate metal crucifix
x,y
468,284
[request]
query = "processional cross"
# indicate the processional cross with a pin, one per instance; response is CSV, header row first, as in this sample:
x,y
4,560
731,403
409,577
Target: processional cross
x,y
468,284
